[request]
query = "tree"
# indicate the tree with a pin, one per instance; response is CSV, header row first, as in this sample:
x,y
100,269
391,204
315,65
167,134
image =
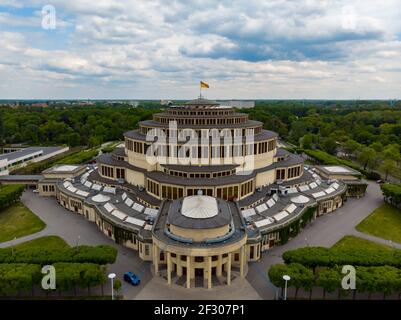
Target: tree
x,y
95,141
367,157
117,285
351,147
329,280
301,277
392,193
74,139
388,166
307,141
329,145
392,152
298,130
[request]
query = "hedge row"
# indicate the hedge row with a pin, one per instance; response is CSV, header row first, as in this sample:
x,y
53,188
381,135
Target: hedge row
x,y
392,193
385,279
23,277
319,256
84,275
79,157
18,277
10,194
327,159
102,254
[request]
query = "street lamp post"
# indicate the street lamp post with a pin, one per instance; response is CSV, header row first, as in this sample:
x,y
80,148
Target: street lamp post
x,y
111,277
286,279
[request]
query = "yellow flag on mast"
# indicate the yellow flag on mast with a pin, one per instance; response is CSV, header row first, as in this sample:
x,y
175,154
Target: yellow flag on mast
x,y
204,85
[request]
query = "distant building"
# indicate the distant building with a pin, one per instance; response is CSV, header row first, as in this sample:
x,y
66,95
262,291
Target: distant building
x,y
133,103
240,104
166,102
39,105
14,147
12,160
356,185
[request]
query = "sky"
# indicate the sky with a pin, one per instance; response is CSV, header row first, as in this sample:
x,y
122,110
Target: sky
x,y
159,49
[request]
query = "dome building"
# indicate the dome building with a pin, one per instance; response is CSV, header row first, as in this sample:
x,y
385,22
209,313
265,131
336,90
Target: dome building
x,y
200,190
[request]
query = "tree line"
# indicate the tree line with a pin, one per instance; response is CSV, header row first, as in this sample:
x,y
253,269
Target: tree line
x,y
372,279
22,277
366,132
77,267
73,126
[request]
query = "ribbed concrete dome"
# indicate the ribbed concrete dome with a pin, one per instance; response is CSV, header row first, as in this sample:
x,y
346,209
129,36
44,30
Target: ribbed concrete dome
x,y
199,207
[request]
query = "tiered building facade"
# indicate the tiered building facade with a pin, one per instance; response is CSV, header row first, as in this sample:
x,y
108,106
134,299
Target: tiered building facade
x,y
206,212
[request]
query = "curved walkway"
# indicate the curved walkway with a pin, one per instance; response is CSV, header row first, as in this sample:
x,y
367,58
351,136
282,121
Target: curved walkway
x,y
76,230
365,236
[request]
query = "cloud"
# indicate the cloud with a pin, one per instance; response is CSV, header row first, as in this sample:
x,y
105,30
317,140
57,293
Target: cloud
x,y
246,49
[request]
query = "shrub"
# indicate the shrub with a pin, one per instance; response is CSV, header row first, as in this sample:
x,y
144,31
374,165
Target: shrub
x,y
18,277
10,194
385,279
100,255
392,193
326,257
84,275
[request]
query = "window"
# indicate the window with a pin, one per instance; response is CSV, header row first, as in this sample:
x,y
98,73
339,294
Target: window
x,y
120,173
280,174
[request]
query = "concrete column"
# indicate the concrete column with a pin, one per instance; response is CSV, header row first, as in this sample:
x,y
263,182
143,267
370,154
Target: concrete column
x,y
228,266
241,260
209,272
188,272
179,266
219,268
168,268
156,259
193,267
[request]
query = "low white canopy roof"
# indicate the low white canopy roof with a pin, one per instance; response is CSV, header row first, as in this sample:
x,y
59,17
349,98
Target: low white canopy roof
x,y
100,198
300,199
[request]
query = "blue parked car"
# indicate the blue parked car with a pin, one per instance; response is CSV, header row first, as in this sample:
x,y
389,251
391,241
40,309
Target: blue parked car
x,y
131,278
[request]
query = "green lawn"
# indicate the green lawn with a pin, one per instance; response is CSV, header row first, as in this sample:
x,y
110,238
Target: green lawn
x,y
351,242
384,222
48,242
18,221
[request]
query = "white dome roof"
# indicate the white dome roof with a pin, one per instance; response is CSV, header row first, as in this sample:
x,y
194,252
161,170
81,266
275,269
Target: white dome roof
x,y
100,198
199,207
300,199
